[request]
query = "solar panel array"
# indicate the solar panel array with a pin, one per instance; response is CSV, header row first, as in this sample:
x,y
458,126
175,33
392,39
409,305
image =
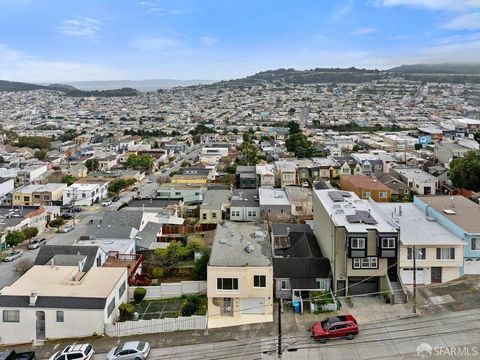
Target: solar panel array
x,y
361,216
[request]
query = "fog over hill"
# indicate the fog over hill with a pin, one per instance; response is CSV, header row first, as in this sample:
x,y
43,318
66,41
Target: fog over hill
x,y
142,85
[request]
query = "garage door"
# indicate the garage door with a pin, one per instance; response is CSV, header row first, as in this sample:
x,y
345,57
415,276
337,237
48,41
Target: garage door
x,y
471,266
362,285
253,306
407,276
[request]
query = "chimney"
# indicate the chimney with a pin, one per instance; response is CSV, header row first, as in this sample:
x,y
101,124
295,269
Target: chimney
x,y
33,298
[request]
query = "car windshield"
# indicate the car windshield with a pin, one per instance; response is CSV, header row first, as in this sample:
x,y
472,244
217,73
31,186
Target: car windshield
x,y
117,351
327,323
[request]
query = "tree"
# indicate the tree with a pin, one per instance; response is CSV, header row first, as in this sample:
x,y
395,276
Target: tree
x,y
69,179
200,270
14,238
40,154
291,111
139,294
92,164
33,142
126,311
418,146
185,164
144,162
2,160
293,127
30,232
22,266
357,147
249,153
299,144
476,136
465,172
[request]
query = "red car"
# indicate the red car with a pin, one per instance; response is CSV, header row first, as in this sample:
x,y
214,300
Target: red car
x,y
335,327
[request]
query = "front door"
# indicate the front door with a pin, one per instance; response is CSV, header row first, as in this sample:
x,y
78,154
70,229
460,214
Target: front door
x,y
40,325
392,269
436,275
340,290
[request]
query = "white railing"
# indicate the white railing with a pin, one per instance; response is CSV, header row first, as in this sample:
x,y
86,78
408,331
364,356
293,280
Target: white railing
x,y
194,322
171,290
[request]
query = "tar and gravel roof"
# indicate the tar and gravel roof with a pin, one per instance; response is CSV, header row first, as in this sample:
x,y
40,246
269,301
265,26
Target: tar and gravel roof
x,y
418,229
231,239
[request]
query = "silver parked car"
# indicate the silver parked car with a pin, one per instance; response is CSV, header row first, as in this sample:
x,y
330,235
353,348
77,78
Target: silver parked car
x,y
132,350
13,255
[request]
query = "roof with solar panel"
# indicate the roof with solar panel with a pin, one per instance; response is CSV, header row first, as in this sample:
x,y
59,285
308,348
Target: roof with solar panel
x,y
356,215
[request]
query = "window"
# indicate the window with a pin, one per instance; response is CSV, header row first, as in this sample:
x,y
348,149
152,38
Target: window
x,y
214,215
475,244
388,243
60,316
26,198
321,284
46,197
357,243
204,216
249,213
298,208
111,307
282,211
285,284
366,194
365,263
11,315
445,253
259,281
227,284
121,289
254,213
420,253
382,195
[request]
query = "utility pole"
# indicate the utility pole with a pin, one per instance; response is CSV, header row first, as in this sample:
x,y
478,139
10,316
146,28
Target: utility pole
x,y
280,306
74,210
414,280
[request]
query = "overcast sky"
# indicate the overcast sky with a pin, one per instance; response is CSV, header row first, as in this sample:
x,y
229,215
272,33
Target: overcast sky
x,y
75,40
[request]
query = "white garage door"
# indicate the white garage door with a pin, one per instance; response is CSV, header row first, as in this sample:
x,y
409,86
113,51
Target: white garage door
x,y
407,276
253,306
471,266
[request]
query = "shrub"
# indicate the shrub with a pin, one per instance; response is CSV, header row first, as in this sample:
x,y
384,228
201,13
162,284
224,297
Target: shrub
x,y
200,270
126,311
57,222
30,232
139,294
190,307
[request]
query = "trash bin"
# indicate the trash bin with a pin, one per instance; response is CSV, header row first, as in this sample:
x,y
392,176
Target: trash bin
x,y
296,306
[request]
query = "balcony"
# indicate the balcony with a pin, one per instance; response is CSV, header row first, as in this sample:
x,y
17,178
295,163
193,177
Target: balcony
x,y
131,261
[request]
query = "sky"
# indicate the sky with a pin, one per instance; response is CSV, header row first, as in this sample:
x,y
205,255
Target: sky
x,y
82,40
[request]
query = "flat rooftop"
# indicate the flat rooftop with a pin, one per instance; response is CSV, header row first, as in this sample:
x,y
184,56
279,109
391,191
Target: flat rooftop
x,y
48,280
230,242
416,174
353,213
214,199
41,188
466,213
271,196
418,229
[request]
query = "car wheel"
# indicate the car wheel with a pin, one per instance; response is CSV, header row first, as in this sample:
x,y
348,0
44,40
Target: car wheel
x,y
322,340
137,358
350,336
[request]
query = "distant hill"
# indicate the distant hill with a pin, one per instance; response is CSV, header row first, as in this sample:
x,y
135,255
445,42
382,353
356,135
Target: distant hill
x,y
142,85
459,69
68,90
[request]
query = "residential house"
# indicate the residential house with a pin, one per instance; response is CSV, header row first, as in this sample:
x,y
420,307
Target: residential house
x,y
461,217
274,204
366,187
42,195
240,276
286,173
266,174
20,217
439,253
85,194
245,205
246,177
55,302
298,264
445,152
214,206
397,188
301,201
192,175
78,170
28,174
106,163
360,241
6,185
419,181
189,194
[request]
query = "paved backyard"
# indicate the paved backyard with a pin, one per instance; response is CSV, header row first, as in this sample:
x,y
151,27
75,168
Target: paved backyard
x,y
159,309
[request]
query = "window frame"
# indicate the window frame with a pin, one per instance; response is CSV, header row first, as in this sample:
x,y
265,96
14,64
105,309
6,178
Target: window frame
x,y
257,281
441,251
423,252
388,239
60,316
475,241
7,319
358,240
220,281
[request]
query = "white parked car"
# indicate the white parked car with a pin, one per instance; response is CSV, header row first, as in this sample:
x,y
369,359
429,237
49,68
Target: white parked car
x,y
107,203
75,351
35,244
132,350
13,255
67,229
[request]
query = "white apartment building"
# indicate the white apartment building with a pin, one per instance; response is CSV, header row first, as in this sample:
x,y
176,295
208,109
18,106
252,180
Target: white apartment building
x,y
85,194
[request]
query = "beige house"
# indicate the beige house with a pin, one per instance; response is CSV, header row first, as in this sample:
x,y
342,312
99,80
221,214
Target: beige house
x,y
214,206
240,276
38,195
286,173
78,170
439,253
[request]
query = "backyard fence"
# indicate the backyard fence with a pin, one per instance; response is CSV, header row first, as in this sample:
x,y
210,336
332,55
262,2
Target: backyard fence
x,y
171,290
127,328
